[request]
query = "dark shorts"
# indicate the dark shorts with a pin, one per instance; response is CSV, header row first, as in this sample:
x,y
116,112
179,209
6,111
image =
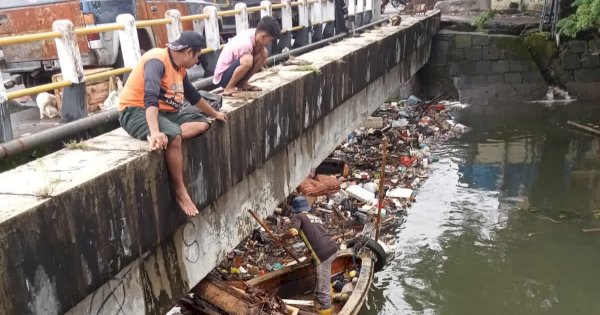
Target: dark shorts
x,y
226,77
133,120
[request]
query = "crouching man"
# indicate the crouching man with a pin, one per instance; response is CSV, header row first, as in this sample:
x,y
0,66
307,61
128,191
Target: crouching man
x,y
322,248
151,101
244,55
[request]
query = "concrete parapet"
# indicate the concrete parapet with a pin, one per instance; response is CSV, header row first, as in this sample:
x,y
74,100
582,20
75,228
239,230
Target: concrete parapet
x,y
94,229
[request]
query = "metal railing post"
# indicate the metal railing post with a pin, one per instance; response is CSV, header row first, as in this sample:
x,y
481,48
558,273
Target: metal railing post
x,y
267,10
351,15
351,8
316,20
285,40
376,11
6,132
286,16
212,36
360,8
302,37
74,100
211,28
241,19
198,26
329,19
130,43
175,28
368,14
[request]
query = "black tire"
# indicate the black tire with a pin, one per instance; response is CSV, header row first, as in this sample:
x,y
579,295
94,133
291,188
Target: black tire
x,y
374,247
40,78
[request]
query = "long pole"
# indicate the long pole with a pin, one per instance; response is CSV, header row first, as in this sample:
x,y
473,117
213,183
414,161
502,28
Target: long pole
x,y
584,128
264,226
381,194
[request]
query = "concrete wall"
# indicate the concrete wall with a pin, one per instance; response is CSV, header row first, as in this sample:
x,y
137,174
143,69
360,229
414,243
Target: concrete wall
x,y
95,230
523,5
482,68
579,68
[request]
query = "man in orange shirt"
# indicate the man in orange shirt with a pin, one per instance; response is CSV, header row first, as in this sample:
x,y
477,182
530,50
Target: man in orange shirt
x,y
151,102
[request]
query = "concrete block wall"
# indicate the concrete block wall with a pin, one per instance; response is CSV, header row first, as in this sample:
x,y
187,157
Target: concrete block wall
x,y
523,5
481,68
580,73
95,230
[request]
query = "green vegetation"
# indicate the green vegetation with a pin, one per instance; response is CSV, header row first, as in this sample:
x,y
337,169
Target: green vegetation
x,y
587,16
483,18
52,181
48,189
310,68
76,145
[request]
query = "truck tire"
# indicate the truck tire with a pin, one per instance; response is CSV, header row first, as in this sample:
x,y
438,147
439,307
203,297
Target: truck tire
x,y
374,246
39,79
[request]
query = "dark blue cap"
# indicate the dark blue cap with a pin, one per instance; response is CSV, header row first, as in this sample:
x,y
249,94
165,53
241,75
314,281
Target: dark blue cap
x,y
300,204
188,39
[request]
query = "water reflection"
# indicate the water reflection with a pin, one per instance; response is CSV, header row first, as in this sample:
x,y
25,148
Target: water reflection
x,y
497,228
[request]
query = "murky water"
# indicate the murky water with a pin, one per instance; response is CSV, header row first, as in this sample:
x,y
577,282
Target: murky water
x,y
498,227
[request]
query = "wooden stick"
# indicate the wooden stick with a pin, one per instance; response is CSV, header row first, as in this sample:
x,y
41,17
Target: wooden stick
x,y
264,226
381,194
591,230
584,128
299,302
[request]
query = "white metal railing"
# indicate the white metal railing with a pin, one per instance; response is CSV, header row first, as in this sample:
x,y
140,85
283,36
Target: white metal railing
x,y
310,13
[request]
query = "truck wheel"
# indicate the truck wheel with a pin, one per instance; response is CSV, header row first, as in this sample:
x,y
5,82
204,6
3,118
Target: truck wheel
x,y
39,79
374,246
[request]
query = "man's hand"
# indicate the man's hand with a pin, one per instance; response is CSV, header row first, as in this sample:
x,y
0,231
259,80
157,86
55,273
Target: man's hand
x,y
158,140
220,116
206,108
291,233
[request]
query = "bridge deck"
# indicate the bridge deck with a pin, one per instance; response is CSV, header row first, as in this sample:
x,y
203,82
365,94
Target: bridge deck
x,y
95,229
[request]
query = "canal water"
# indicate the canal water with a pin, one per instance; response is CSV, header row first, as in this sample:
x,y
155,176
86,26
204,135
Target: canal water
x,y
498,228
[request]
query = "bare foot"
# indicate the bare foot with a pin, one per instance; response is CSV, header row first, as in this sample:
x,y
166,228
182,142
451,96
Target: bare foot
x,y
229,92
250,87
186,204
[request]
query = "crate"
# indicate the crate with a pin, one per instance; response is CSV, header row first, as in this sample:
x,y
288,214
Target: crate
x,y
96,92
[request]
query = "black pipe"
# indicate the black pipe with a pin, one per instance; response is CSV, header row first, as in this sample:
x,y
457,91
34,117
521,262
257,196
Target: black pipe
x,y
271,61
27,142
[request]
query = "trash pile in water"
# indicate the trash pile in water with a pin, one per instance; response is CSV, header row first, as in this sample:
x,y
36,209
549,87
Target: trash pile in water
x,y
343,191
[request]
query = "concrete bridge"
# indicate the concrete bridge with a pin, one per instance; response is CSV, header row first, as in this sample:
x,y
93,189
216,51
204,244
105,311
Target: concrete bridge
x,y
93,229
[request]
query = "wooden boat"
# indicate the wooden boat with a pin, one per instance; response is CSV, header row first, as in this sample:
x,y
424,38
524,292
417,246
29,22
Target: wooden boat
x,y
294,284
297,282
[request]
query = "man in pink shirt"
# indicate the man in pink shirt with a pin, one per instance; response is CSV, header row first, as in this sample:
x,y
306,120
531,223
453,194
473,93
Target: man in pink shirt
x,y
244,55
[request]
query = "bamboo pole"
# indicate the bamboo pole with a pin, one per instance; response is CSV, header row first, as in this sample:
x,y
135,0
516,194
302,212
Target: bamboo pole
x,y
381,194
264,226
591,230
584,128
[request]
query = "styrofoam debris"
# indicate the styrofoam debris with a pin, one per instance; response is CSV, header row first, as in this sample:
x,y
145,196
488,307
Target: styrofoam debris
x,y
400,193
360,193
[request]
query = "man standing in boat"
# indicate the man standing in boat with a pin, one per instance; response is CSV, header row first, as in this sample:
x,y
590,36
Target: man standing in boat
x,y
322,248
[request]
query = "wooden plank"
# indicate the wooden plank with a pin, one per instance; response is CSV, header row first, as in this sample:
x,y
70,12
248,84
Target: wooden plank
x,y
369,230
584,128
224,297
299,302
591,230
293,310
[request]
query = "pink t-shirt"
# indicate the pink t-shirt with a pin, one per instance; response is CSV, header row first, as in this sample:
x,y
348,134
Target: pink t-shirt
x,y
237,46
